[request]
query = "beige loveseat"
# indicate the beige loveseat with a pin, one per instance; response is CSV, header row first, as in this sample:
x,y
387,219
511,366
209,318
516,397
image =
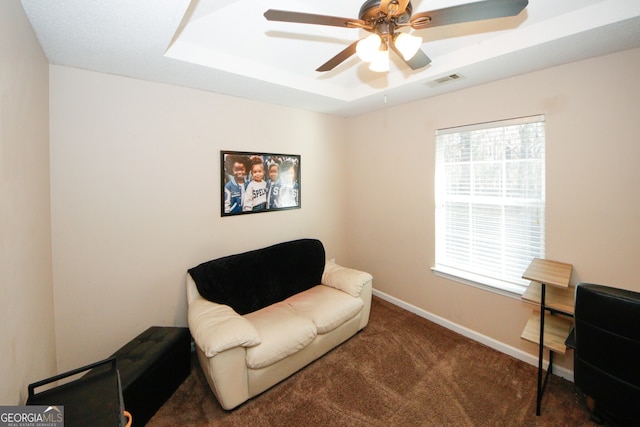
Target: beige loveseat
x,y
260,316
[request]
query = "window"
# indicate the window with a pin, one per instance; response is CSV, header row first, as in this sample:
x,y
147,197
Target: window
x,y
490,201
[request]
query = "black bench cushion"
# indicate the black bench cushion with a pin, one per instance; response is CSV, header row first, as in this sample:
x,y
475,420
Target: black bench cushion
x,y
152,366
256,279
151,348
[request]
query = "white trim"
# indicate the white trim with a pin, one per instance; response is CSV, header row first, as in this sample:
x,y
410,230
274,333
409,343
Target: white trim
x,y
492,125
492,285
476,336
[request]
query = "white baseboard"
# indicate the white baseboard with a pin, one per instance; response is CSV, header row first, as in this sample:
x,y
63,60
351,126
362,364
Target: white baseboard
x,y
471,334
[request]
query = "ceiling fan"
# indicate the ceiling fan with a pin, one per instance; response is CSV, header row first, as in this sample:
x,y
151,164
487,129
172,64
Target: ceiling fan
x,y
383,19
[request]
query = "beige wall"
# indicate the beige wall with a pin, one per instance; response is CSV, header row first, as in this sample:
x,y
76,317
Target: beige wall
x,y
27,346
593,194
136,198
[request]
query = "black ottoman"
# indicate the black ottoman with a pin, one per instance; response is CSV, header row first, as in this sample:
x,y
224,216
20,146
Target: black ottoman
x,y
152,366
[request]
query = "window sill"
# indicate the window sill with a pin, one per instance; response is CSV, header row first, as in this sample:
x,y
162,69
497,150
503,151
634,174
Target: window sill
x,y
477,281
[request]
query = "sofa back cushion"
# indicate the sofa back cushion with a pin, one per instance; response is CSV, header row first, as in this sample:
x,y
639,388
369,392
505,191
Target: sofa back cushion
x,y
256,279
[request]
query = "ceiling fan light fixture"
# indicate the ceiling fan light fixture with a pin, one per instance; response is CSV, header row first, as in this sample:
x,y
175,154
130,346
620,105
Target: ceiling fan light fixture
x,y
380,62
366,48
383,17
407,44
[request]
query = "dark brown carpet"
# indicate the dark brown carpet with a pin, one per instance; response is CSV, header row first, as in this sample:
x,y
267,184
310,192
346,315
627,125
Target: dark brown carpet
x,y
401,370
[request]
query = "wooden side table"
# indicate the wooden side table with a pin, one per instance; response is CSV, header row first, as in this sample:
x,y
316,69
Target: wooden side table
x,y
545,328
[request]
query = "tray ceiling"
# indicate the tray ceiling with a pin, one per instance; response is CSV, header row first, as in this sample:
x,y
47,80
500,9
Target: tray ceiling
x,y
228,47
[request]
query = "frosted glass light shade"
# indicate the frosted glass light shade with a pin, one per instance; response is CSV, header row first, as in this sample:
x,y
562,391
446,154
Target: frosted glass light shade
x,y
380,62
408,45
366,48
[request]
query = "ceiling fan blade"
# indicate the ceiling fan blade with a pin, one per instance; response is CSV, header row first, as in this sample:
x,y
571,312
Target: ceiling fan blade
x,y
487,9
310,18
419,60
339,58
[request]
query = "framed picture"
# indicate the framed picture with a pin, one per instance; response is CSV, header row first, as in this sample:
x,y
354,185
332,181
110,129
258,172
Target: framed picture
x,y
259,182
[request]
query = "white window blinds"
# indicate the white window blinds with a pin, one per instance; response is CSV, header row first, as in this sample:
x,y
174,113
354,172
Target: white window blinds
x,y
490,200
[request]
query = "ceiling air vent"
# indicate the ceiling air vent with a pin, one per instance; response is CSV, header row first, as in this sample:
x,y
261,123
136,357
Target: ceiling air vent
x,y
443,80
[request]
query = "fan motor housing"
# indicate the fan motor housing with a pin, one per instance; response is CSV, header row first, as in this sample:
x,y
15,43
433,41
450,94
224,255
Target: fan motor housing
x,y
370,13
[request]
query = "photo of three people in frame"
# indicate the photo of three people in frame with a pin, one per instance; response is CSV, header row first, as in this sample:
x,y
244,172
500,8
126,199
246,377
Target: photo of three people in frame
x,y
260,182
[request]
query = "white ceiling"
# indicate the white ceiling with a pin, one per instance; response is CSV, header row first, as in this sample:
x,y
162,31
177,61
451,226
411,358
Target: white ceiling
x,y
228,47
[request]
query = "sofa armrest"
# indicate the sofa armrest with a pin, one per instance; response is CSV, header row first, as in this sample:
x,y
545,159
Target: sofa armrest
x,y
345,279
216,327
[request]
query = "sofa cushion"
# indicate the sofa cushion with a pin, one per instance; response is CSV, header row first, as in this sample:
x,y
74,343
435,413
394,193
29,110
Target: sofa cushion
x,y
216,327
282,331
327,307
256,279
346,279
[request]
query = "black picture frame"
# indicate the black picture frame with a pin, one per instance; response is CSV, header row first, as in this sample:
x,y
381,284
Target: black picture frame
x,y
279,188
